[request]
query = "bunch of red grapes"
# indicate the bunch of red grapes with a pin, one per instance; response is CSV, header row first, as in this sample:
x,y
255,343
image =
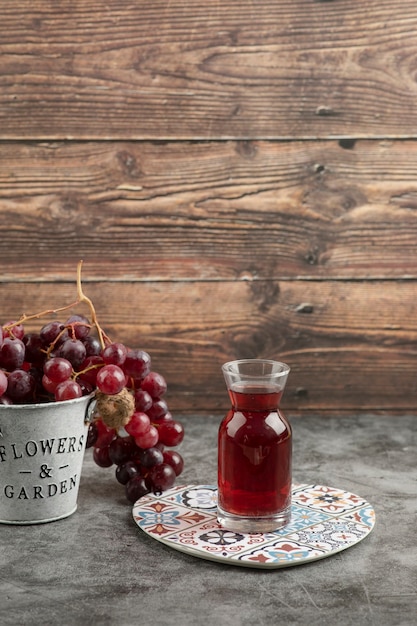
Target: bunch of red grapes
x,y
66,361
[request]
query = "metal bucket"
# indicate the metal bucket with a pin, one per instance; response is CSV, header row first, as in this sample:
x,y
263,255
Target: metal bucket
x,y
41,455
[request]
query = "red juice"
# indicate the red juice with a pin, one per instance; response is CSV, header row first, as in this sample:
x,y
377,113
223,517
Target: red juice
x,y
254,454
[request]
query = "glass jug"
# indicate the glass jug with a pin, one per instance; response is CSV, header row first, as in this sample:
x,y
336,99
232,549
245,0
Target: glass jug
x,y
254,449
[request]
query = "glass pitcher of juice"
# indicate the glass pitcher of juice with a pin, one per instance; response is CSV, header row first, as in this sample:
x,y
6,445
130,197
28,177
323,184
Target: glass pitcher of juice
x,y
254,449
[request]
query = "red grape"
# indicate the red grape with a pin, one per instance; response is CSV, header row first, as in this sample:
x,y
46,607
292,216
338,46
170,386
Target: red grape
x,y
12,353
92,434
73,350
33,349
160,478
126,471
114,353
20,386
101,457
120,450
175,460
171,433
51,331
154,384
110,379
57,369
148,439
79,325
92,346
137,364
68,390
150,457
138,425
136,488
17,331
143,400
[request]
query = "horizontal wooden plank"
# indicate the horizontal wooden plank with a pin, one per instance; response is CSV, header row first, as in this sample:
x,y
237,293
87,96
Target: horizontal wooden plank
x,y
212,211
351,346
186,70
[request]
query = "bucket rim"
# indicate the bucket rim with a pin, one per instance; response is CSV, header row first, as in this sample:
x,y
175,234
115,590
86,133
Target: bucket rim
x,y
46,405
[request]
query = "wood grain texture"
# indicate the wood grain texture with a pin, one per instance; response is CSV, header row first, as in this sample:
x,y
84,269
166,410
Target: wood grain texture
x,y
209,211
240,179
207,70
346,349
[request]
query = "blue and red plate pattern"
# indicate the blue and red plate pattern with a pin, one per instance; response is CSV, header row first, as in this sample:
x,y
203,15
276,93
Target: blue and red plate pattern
x,y
324,521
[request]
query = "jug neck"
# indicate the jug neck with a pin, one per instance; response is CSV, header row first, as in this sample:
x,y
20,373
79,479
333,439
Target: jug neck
x,y
259,398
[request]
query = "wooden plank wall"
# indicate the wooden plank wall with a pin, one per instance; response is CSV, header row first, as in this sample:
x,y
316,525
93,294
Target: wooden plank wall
x,y
240,179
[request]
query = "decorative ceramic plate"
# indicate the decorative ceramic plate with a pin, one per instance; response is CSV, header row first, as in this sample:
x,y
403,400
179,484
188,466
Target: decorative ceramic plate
x,y
324,521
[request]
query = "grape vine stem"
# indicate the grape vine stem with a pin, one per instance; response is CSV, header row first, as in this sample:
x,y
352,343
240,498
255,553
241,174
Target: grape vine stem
x,y
81,297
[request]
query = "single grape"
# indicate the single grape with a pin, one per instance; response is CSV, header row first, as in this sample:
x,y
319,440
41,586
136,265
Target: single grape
x,y
79,326
68,390
157,410
143,400
101,457
138,425
175,460
148,439
92,434
126,471
33,349
92,346
51,331
20,386
171,433
137,364
160,478
74,351
136,488
1,335
114,354
57,369
111,379
3,383
12,353
16,331
121,449
154,384
150,457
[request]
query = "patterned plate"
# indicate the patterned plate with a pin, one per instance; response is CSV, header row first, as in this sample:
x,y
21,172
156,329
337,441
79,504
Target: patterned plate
x,y
324,521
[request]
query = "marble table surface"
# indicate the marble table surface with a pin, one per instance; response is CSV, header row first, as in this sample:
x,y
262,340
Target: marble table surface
x,y
97,567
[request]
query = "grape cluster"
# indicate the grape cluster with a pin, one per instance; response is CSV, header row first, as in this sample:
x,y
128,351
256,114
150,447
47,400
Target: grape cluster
x,y
132,428
141,449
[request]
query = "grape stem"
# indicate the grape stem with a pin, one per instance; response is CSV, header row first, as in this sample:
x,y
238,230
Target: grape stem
x,y
81,298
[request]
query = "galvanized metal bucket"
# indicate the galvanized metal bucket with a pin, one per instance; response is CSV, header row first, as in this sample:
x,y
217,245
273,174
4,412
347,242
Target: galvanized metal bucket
x,y
41,455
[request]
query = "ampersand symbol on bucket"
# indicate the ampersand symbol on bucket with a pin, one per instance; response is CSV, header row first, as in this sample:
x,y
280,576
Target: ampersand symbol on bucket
x,y
45,471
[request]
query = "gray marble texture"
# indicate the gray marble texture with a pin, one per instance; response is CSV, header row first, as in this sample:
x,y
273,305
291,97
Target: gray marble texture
x,y
97,567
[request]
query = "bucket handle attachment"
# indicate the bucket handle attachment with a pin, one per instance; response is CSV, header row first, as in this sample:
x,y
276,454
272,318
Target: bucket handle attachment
x,y
89,411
